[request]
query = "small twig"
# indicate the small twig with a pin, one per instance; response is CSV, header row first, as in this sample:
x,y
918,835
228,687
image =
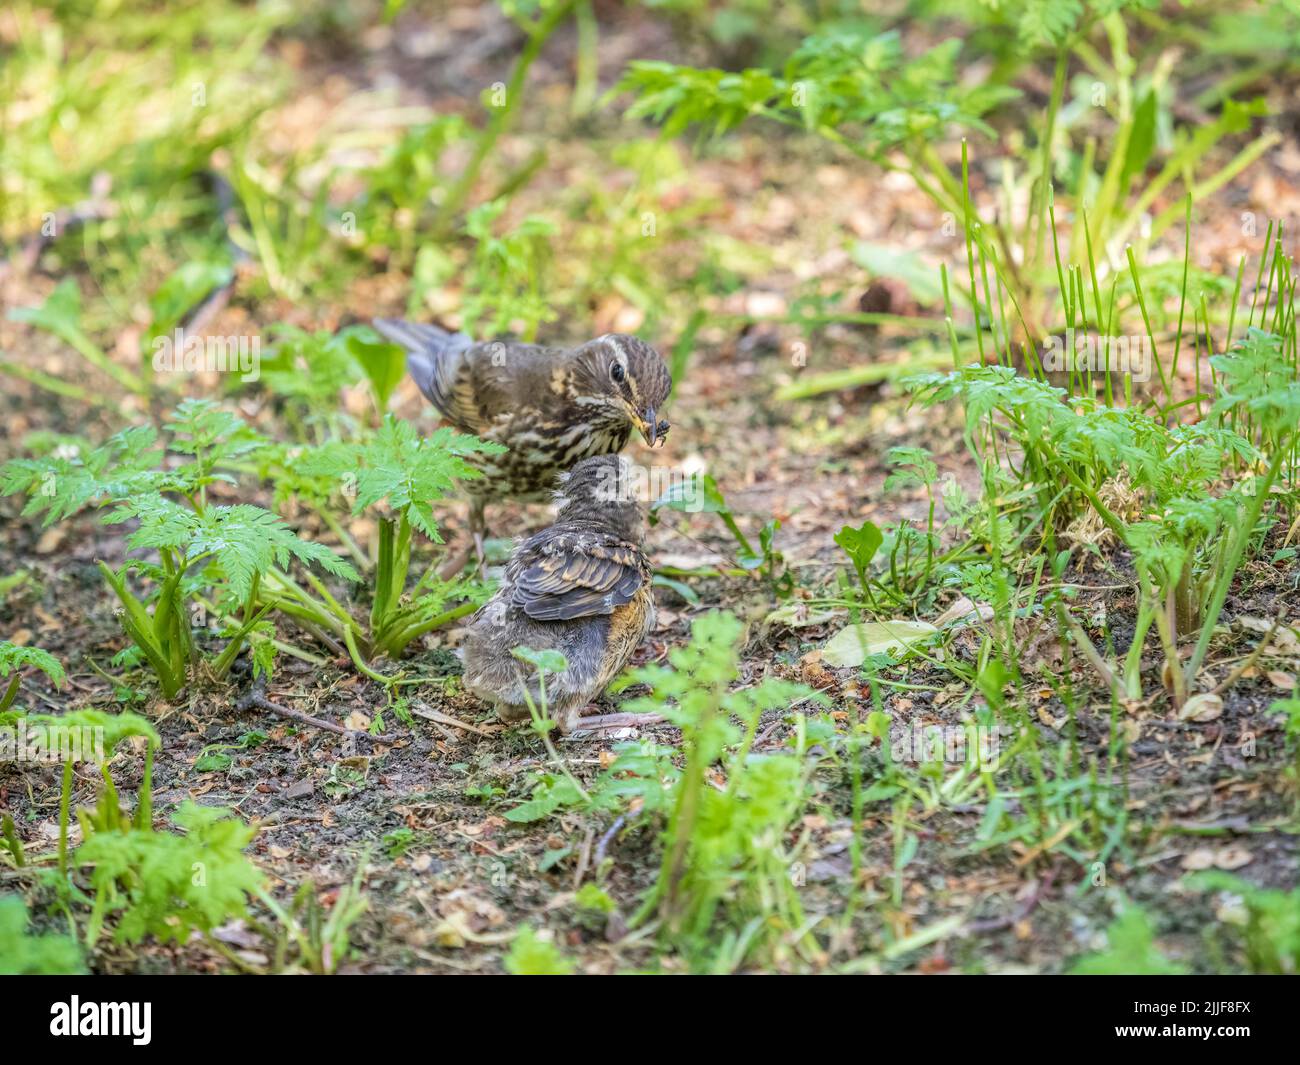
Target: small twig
x,y
64,220
255,697
446,719
762,737
996,924
447,734
584,860
605,840
1250,659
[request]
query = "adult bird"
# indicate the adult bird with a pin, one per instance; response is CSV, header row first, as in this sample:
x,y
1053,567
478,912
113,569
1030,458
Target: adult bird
x,y
550,407
582,587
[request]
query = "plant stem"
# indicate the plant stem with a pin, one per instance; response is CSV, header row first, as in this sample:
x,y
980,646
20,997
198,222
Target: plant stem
x,y
65,804
11,691
501,118
1244,532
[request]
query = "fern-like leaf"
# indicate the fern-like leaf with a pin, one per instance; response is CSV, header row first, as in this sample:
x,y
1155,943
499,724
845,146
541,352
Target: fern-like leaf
x,y
13,657
409,471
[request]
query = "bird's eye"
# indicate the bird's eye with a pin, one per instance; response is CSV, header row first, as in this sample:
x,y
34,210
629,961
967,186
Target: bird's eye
x,y
617,372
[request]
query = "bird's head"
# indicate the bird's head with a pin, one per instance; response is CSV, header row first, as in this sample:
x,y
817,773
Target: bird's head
x,y
605,489
627,379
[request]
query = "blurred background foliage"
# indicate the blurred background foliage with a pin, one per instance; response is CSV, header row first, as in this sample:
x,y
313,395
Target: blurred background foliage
x,y
323,159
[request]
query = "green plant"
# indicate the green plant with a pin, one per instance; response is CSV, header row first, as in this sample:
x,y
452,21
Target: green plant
x,y
168,885
244,542
1131,950
323,937
212,759
727,843
13,658
399,197
229,549
149,882
552,792
861,545
1271,924
530,955
1160,488
39,955
506,274
398,842
858,89
539,19
107,730
60,314
1291,708
700,493
307,372
411,473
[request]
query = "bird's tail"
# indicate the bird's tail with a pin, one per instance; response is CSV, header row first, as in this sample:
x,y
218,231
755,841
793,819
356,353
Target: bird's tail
x,y
432,356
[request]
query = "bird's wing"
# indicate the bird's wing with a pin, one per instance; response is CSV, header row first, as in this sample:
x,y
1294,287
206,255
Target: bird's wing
x,y
441,363
511,377
578,577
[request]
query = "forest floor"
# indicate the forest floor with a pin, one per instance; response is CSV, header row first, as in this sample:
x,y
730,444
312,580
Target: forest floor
x,y
447,876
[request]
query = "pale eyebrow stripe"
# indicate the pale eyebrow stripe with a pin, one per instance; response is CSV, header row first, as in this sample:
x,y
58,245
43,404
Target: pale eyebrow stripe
x,y
620,350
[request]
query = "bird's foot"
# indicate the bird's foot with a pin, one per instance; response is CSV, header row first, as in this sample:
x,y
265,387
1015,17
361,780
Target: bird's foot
x,y
604,724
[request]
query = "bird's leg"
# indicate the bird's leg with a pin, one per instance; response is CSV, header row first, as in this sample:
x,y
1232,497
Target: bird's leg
x,y
478,529
574,725
460,559
457,562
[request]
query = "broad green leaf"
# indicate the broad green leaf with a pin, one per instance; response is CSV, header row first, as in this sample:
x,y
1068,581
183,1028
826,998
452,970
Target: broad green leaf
x,y
548,660
860,545
384,365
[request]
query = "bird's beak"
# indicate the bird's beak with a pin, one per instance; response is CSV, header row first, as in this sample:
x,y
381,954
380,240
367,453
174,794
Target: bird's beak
x,y
648,424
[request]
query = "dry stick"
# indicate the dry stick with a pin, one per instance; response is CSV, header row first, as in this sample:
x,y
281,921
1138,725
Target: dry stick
x,y
603,845
584,859
255,697
446,719
996,924
197,320
1250,660
66,219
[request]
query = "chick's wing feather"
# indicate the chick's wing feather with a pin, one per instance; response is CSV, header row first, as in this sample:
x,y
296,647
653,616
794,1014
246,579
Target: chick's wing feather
x,y
567,578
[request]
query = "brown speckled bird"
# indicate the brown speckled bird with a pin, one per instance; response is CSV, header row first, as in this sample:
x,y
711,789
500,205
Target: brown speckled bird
x,y
551,407
580,587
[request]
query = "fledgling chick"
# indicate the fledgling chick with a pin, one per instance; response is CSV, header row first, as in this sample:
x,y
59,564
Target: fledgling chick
x,y
551,407
581,587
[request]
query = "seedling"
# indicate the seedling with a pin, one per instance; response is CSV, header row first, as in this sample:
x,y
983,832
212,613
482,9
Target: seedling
x,y
13,658
1131,950
33,955
409,472
728,843
227,549
700,494
1271,922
